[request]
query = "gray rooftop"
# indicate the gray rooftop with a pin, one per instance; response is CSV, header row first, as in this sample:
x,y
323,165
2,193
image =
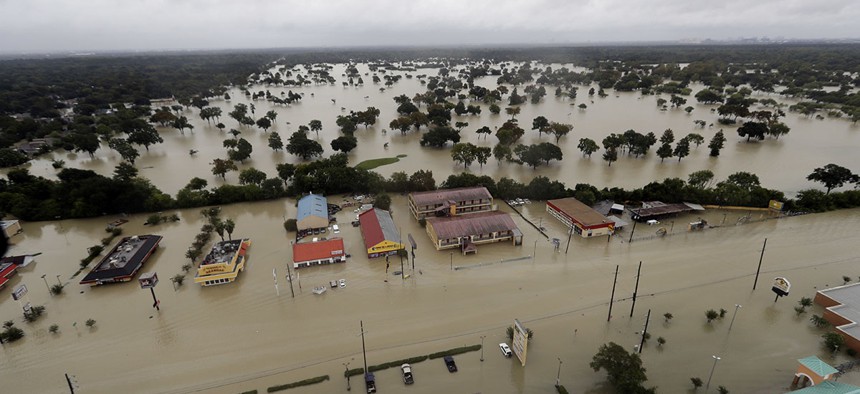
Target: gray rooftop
x,y
849,298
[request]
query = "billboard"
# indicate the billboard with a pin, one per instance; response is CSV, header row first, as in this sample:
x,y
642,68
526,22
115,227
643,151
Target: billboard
x,y
775,205
19,292
520,342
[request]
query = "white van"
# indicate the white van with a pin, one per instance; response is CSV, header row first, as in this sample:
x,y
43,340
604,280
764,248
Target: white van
x,y
335,229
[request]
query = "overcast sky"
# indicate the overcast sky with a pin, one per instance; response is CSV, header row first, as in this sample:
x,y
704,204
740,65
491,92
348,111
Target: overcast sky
x,y
85,25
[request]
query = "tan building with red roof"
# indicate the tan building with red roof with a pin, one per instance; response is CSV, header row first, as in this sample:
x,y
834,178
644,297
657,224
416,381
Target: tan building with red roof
x,y
580,218
450,202
309,254
466,231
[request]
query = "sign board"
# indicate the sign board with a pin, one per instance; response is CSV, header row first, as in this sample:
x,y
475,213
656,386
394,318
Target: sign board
x,y
775,205
19,292
148,280
520,342
781,287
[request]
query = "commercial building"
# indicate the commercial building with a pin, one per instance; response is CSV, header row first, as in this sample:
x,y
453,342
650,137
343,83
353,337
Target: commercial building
x,y
223,263
7,270
309,254
465,232
450,202
123,261
651,210
381,237
312,214
10,227
842,309
580,218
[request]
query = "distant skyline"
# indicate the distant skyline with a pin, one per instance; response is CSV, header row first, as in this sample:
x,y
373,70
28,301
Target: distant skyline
x,y
37,26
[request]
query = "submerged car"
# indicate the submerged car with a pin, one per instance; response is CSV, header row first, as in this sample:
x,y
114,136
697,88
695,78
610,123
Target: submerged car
x,y
506,350
407,374
370,383
449,362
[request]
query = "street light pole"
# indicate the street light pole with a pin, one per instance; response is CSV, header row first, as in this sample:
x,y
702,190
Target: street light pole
x,y
558,375
482,347
733,315
346,365
46,284
452,261
712,371
58,281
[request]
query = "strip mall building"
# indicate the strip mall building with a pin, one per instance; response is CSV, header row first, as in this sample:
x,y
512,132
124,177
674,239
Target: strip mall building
x,y
580,218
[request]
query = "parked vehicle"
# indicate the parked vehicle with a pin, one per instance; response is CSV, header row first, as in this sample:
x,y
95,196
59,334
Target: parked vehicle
x,y
449,362
333,284
506,350
370,383
335,229
342,283
407,374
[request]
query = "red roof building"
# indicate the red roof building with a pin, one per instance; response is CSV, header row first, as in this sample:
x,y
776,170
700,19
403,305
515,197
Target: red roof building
x,y
308,254
579,218
7,270
381,237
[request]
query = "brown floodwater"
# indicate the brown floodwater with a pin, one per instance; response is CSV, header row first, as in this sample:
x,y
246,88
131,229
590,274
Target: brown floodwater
x,y
242,336
780,164
238,337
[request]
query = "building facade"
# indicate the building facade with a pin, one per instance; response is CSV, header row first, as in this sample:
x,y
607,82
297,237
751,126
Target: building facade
x,y
309,254
842,309
312,214
223,263
450,202
580,218
381,237
464,232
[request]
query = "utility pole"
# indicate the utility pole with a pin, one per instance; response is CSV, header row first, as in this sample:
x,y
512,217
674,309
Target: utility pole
x,y
612,297
759,263
452,261
71,386
632,232
363,350
290,278
636,289
644,332
569,234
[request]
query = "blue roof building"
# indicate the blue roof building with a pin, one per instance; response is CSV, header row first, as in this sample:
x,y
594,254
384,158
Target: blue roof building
x,y
312,212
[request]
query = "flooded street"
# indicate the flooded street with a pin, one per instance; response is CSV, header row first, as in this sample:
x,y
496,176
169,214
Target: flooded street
x,y
238,337
242,336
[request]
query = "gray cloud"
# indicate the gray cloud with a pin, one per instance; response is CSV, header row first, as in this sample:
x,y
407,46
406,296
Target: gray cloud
x,y
58,25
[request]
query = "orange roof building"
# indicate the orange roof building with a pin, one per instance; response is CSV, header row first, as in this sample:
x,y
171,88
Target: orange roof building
x,y
309,254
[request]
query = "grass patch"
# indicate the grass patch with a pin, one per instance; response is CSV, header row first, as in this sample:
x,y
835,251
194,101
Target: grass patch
x,y
373,163
561,389
250,392
412,360
455,351
401,156
306,382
